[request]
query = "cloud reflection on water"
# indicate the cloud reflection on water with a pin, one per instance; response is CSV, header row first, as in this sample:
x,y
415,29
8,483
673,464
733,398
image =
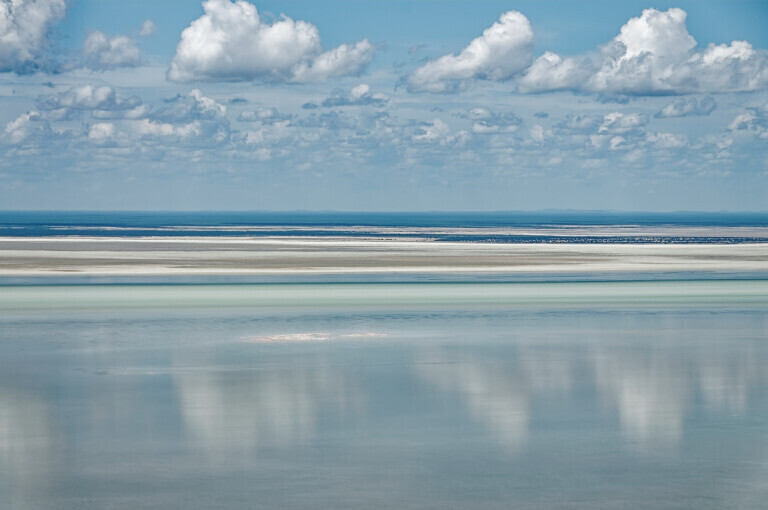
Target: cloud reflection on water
x,y
650,393
26,441
493,396
652,389
377,395
234,412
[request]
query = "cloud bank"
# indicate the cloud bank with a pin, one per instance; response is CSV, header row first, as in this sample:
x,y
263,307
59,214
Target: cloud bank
x,y
230,42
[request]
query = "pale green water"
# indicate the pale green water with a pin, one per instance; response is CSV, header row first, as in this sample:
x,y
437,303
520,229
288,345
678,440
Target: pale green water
x,y
531,396
382,294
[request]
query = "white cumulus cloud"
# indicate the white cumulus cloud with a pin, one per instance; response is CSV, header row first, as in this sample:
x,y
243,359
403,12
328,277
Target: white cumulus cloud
x,y
231,42
653,54
24,26
502,51
103,52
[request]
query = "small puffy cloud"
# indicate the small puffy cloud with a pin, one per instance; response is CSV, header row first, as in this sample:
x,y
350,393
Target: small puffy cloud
x,y
24,27
193,120
537,133
483,128
687,107
667,140
502,51
620,123
25,127
433,130
618,143
437,131
263,115
486,122
359,95
102,52
251,137
146,127
479,114
85,97
148,28
101,101
102,133
653,54
230,42
754,120
193,106
616,131
137,112
415,49
611,142
330,120
278,133
579,124
197,134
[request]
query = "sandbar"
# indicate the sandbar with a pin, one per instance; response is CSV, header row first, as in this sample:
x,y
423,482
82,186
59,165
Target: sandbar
x,y
41,256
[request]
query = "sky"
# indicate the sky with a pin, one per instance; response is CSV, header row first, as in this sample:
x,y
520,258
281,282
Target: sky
x,y
383,106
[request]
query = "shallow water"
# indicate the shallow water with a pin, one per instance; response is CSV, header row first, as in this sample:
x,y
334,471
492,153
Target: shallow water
x,y
538,395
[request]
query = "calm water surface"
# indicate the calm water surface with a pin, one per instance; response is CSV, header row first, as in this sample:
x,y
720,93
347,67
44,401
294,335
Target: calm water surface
x,y
206,397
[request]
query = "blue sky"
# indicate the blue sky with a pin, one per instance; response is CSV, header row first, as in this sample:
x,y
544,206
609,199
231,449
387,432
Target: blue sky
x,y
396,105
